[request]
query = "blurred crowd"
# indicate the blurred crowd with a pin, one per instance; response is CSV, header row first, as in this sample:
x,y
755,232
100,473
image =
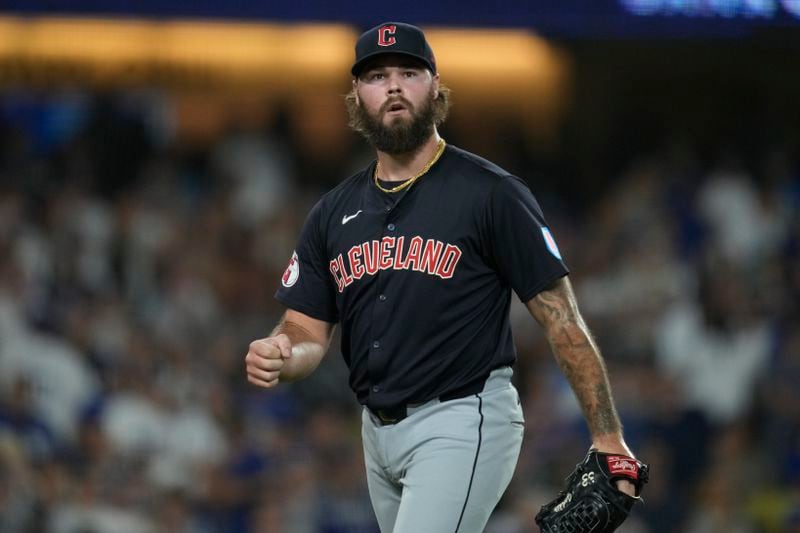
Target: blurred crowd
x,y
135,269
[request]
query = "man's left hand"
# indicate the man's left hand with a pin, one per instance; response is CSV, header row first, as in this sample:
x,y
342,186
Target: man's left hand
x,y
616,444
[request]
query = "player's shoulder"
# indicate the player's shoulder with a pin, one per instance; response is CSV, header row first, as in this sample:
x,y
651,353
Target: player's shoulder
x,y
485,174
340,196
476,167
348,186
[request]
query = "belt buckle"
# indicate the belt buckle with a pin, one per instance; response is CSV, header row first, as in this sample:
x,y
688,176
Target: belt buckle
x,y
383,417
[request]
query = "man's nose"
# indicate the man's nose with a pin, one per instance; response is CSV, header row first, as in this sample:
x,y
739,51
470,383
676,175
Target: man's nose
x,y
394,84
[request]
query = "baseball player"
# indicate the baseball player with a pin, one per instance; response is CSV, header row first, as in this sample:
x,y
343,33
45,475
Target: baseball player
x,y
415,257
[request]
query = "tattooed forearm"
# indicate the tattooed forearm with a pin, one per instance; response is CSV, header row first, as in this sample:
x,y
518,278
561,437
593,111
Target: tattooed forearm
x,y
295,332
310,340
577,354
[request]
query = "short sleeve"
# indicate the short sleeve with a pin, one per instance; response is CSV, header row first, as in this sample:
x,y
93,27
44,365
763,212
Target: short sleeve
x,y
518,241
306,285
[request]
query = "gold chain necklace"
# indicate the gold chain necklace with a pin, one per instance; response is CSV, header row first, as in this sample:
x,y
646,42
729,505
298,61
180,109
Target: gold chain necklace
x,y
408,183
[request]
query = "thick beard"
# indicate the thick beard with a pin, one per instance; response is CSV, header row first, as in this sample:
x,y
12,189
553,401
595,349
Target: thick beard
x,y
401,136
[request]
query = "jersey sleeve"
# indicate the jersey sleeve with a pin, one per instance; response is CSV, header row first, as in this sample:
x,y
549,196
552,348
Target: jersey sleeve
x,y
306,285
518,241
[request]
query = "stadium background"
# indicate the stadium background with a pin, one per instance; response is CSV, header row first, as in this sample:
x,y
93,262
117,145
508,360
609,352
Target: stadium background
x,y
157,159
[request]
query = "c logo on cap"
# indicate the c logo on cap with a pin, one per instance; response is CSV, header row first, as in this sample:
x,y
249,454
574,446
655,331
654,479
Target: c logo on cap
x,y
386,35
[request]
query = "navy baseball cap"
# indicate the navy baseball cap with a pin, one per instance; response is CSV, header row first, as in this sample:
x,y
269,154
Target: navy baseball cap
x,y
393,38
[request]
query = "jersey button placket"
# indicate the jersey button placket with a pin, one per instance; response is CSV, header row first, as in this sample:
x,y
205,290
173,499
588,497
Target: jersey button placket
x,y
378,354
376,366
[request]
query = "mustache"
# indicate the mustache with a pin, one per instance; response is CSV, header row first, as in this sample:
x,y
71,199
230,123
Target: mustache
x,y
396,100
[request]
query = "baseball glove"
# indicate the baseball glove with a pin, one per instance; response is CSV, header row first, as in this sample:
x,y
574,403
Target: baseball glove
x,y
591,502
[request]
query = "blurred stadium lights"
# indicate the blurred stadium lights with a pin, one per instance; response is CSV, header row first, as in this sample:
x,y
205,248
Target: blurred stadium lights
x,y
121,52
511,73
269,56
759,9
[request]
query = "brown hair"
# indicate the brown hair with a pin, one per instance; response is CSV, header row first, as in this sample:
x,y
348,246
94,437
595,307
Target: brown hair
x,y
441,107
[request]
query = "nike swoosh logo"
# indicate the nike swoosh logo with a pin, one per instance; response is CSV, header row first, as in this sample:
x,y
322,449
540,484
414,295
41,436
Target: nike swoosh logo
x,y
348,218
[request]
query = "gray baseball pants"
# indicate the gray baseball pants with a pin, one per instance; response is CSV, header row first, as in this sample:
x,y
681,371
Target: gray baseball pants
x,y
445,466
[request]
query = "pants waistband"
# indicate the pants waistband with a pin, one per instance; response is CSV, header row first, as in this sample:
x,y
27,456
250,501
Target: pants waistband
x,y
392,415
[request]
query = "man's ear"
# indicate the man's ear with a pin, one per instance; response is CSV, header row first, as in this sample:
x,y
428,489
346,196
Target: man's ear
x,y
436,86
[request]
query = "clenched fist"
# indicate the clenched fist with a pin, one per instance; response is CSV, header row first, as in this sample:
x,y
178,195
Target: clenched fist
x,y
266,358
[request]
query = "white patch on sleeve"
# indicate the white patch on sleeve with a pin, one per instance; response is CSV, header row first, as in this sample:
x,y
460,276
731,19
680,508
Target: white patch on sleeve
x,y
292,272
551,243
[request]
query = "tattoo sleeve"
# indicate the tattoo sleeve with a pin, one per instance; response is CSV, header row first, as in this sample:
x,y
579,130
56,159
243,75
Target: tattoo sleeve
x,y
577,354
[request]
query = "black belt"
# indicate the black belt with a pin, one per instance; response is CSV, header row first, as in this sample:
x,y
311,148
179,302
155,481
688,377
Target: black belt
x,y
392,415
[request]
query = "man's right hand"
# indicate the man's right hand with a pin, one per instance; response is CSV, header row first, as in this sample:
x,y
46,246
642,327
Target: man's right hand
x,y
266,358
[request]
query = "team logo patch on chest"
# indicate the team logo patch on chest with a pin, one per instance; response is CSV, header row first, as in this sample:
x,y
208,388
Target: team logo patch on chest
x,y
429,256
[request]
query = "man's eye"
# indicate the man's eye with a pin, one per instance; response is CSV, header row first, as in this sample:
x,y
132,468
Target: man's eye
x,y
410,73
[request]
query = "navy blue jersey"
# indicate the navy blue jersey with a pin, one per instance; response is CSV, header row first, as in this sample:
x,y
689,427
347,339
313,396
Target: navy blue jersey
x,y
421,280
